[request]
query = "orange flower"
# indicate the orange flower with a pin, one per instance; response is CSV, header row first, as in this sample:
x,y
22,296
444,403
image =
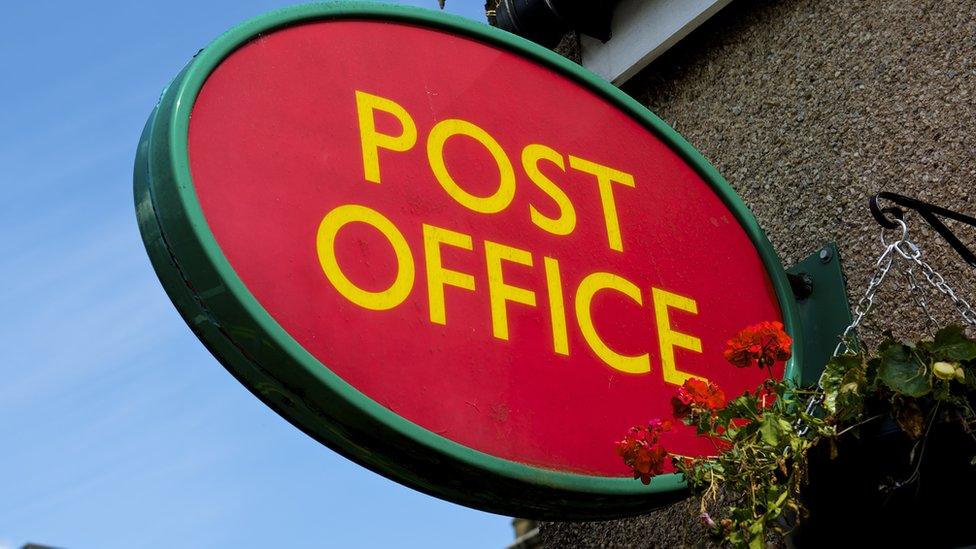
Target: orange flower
x,y
642,451
761,345
697,395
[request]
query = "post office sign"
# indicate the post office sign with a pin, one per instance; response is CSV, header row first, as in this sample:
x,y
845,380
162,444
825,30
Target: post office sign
x,y
447,253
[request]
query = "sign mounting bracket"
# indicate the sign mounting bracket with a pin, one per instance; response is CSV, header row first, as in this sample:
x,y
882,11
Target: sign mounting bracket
x,y
821,299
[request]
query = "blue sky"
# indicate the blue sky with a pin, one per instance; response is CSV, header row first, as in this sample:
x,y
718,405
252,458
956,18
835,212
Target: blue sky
x,y
118,429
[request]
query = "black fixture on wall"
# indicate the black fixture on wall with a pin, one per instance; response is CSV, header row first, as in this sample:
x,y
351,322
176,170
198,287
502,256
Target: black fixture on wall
x,y
546,21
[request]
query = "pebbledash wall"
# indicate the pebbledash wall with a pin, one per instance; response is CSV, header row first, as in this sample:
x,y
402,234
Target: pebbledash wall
x,y
808,108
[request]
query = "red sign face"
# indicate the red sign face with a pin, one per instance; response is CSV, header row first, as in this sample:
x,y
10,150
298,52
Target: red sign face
x,y
486,248
447,253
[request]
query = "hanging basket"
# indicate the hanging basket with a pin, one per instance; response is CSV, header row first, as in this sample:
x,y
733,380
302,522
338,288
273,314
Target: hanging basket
x,y
878,486
860,497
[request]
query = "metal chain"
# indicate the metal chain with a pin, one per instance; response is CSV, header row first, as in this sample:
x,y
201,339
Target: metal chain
x,y
917,296
881,268
938,282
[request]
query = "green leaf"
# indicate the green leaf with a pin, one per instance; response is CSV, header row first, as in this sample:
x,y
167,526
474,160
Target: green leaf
x,y
844,383
903,372
771,429
757,535
782,497
952,345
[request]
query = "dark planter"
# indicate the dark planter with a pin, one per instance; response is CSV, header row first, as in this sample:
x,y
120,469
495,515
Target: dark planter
x,y
850,506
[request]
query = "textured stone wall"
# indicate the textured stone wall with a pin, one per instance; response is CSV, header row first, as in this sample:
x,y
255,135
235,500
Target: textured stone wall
x,y
808,108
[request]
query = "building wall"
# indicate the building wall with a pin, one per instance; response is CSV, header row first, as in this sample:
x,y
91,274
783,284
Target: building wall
x,y
808,108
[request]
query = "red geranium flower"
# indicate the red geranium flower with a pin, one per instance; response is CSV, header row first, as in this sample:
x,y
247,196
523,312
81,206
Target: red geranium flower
x,y
642,451
761,345
697,395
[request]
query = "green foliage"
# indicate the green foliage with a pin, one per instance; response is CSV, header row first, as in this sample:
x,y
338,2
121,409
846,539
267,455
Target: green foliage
x,y
762,437
901,369
763,462
951,344
845,382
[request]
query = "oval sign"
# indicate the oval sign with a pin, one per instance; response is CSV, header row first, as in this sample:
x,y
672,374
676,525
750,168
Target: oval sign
x,y
447,253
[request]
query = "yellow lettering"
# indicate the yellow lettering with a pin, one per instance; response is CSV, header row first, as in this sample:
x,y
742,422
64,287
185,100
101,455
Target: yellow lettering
x,y
557,308
372,140
498,291
437,275
566,222
325,245
605,178
435,155
668,338
638,364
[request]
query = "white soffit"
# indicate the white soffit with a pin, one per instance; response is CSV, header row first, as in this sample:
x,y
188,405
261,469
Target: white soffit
x,y
643,30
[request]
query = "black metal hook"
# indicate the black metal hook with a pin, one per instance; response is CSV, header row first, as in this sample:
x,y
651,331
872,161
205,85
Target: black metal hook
x,y
928,212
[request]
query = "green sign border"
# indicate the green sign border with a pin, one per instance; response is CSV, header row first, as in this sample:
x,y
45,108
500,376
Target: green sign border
x,y
241,334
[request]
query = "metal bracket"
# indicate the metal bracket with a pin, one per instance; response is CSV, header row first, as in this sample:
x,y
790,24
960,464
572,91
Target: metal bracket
x,y
821,298
928,212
